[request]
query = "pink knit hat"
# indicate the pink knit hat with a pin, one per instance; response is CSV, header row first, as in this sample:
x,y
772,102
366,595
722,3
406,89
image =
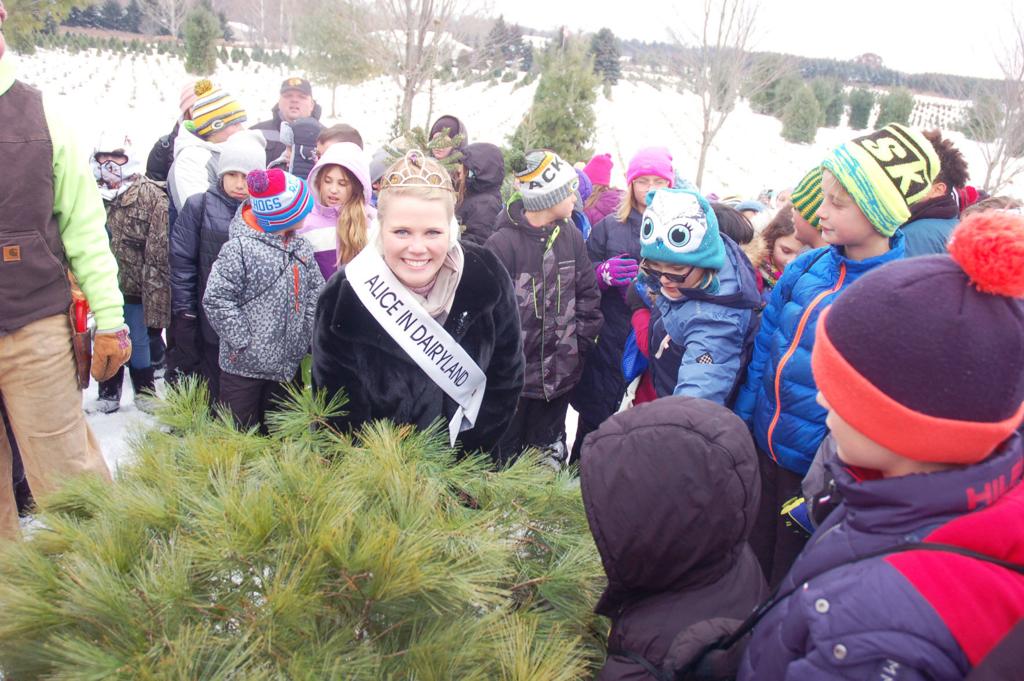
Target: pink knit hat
x,y
599,170
188,96
655,161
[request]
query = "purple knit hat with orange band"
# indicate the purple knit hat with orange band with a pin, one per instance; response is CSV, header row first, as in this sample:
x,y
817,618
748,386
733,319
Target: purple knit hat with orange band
x,y
925,356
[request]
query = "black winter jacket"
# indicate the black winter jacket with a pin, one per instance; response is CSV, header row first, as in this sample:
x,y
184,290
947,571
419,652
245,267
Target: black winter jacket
x,y
558,298
484,172
599,392
671,490
351,352
196,239
272,132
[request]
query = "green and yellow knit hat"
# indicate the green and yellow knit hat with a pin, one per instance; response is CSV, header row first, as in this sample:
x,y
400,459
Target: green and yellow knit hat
x,y
806,198
886,173
214,110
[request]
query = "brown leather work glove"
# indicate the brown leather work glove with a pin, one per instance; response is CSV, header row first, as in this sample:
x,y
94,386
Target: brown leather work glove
x,y
110,350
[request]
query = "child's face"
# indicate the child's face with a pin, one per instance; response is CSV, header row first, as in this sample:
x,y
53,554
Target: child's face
x,y
563,209
842,222
335,189
644,184
805,231
235,186
414,233
785,251
673,289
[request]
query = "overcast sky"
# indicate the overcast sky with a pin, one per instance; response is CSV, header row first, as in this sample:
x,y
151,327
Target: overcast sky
x,y
945,36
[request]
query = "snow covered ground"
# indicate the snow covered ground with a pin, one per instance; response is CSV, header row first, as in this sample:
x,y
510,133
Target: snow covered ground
x,y
114,431
139,95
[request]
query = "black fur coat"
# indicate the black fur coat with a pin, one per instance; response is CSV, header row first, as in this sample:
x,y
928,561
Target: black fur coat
x,y
351,352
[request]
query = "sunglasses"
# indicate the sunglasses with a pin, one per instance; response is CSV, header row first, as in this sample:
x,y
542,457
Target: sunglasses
x,y
656,275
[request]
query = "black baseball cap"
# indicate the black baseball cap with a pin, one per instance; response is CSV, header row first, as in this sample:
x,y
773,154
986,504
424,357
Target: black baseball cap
x,y
295,83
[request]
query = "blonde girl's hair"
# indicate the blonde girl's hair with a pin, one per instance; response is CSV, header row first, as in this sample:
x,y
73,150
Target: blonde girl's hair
x,y
627,205
352,223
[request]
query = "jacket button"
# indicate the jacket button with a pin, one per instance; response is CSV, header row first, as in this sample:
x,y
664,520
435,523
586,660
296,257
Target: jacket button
x,y
821,605
839,651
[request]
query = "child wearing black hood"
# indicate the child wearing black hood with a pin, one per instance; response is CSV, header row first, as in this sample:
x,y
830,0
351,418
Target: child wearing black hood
x,y
671,490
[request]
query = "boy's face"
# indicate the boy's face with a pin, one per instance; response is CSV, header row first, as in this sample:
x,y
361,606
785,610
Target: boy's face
x,y
841,220
563,209
235,186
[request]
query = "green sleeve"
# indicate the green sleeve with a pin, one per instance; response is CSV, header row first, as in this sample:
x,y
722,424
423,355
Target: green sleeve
x,y
81,220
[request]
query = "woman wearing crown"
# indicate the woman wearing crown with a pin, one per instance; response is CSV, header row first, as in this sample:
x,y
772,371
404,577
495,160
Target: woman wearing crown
x,y
419,328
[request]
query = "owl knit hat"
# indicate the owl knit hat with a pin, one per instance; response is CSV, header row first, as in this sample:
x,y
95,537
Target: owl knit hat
x,y
213,110
949,387
278,199
806,197
680,228
546,180
886,172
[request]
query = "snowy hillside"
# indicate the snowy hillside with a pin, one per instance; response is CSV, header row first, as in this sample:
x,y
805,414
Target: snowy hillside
x,y
139,94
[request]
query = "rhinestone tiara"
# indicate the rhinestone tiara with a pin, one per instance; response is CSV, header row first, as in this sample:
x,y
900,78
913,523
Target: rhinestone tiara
x,y
414,173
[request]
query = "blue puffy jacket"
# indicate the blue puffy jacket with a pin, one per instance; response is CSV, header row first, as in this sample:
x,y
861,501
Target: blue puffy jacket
x,y
778,400
700,344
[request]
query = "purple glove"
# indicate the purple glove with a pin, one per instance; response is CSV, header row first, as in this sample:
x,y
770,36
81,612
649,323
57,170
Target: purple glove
x,y
617,271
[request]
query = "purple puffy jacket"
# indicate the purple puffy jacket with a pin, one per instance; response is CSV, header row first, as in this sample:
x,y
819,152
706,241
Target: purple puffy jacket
x,y
914,615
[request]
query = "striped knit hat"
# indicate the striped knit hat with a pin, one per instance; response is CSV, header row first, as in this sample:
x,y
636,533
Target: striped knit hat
x,y
806,198
214,110
546,181
925,356
886,172
278,199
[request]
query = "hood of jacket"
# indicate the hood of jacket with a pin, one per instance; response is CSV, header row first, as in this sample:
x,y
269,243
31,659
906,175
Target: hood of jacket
x,y
485,167
671,491
348,156
450,122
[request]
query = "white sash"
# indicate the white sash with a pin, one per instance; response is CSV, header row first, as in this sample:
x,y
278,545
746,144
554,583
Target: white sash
x,y
419,335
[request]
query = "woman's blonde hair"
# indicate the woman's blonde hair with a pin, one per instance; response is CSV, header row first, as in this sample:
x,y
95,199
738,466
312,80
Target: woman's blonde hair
x,y
627,205
352,223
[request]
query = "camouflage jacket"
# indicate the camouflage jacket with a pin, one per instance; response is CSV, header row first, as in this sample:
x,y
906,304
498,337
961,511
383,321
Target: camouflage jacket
x,y
137,225
559,302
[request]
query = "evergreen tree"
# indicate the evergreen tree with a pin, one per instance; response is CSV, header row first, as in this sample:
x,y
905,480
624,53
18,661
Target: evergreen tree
x,y
133,17
861,103
829,93
201,31
562,114
895,107
526,57
112,15
334,45
30,18
496,46
305,554
604,47
772,100
801,117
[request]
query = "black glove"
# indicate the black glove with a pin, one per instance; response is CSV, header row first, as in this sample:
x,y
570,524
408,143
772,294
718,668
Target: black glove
x,y
692,654
635,299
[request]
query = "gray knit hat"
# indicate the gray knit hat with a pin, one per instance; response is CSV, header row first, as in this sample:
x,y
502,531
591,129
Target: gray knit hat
x,y
546,181
244,152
